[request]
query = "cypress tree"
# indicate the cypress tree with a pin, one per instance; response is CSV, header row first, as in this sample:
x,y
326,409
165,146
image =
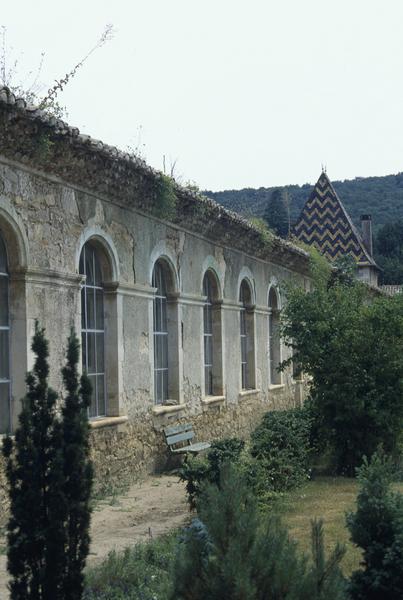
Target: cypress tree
x,y
35,532
276,213
78,471
50,478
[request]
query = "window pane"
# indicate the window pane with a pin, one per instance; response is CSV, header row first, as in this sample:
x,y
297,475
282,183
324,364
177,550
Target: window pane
x,y
84,351
3,300
3,256
244,354
208,374
89,265
90,308
158,386
157,314
243,322
4,407
93,408
164,322
99,305
208,321
101,395
165,394
160,353
100,352
83,316
91,360
4,355
97,270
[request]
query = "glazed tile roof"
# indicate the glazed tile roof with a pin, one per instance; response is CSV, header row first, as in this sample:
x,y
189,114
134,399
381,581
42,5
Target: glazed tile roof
x,y
325,224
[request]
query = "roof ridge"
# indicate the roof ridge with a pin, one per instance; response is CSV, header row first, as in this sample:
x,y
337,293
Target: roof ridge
x,y
60,127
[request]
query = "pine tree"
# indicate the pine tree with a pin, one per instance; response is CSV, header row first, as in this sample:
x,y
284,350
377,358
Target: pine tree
x,y
276,213
78,471
232,552
35,533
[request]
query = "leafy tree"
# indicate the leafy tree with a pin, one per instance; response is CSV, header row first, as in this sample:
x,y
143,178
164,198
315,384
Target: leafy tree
x,y
276,213
389,252
48,526
352,349
377,528
232,552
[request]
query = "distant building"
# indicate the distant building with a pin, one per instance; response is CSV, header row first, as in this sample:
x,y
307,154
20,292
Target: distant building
x,y
325,224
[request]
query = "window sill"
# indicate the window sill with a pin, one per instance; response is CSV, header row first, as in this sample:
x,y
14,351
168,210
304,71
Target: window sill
x,y
162,409
246,393
208,400
276,386
107,422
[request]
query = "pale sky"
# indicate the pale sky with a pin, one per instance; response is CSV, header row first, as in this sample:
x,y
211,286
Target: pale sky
x,y
241,94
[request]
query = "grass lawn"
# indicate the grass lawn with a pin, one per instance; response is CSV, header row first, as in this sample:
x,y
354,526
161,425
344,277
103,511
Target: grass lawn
x,y
327,498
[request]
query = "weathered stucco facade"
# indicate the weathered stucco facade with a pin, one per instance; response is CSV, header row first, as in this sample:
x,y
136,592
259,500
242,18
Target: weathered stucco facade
x,y
60,191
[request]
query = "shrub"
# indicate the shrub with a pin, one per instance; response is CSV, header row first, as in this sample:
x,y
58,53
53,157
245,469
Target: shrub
x,y
280,451
199,470
377,528
233,553
139,573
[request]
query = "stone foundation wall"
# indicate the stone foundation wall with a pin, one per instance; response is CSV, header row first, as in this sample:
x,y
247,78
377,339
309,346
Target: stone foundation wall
x,y
132,450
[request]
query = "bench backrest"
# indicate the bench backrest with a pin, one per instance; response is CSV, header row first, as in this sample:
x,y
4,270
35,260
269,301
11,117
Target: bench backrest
x,y
179,434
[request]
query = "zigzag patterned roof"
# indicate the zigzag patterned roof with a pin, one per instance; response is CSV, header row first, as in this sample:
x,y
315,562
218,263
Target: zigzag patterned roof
x,y
325,224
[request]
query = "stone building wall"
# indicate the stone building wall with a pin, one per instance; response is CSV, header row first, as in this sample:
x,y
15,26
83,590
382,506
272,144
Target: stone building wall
x,y
48,211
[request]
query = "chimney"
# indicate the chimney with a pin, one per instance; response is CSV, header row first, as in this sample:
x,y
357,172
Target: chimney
x,y
366,228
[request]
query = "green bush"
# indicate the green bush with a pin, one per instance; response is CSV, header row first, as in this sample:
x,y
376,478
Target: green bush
x,y
139,573
199,470
280,451
377,528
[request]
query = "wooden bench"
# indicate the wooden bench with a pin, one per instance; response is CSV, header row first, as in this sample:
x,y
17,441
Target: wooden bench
x,y
179,439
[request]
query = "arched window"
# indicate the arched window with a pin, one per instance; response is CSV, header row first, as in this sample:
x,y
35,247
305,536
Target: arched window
x,y
212,336
247,337
5,383
274,338
161,365
93,327
208,334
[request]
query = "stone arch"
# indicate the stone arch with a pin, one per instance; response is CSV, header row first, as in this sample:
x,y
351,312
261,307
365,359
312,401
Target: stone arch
x,y
273,292
210,265
247,275
164,255
107,252
14,236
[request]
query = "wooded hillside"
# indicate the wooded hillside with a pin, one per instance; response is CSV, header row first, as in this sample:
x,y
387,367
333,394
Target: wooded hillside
x,y
382,197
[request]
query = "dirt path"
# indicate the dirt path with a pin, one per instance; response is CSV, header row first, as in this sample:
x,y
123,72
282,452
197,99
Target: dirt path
x,y
151,507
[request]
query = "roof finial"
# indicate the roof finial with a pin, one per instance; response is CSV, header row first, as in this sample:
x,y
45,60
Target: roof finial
x,y
324,168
